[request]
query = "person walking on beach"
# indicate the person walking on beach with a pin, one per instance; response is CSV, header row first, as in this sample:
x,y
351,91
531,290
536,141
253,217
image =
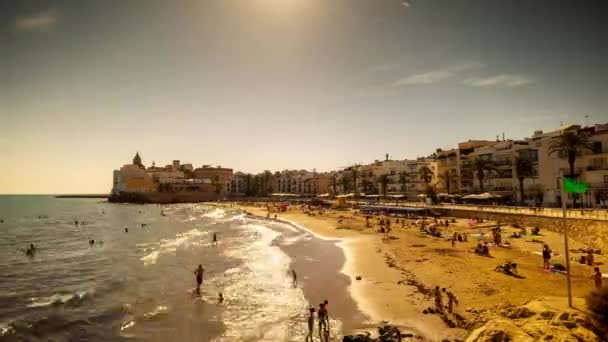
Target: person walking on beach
x,y
597,277
325,305
546,257
215,239
199,272
294,278
322,322
311,324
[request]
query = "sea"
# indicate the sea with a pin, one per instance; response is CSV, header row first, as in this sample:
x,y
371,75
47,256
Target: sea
x,y
114,272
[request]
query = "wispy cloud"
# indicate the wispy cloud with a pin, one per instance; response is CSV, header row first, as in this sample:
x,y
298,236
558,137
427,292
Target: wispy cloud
x,y
38,22
406,4
504,80
438,75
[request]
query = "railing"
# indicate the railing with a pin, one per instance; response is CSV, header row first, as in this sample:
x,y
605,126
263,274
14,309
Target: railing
x,y
592,214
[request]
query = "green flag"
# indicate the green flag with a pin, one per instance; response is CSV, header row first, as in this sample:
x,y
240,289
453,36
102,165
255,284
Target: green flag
x,y
575,186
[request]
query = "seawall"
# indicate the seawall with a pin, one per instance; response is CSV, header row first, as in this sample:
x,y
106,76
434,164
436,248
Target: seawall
x,y
594,233
164,197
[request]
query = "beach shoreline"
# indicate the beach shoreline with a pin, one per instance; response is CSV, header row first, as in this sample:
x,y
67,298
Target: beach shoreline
x,y
379,283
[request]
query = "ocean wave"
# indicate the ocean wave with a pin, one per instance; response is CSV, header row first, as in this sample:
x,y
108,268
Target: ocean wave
x,y
158,311
19,330
216,213
59,299
150,259
167,246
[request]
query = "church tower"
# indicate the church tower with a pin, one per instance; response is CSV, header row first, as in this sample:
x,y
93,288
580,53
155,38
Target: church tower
x,y
137,160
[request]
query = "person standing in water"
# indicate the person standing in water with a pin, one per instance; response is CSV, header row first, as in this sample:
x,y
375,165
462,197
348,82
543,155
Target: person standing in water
x,y
215,239
199,272
311,325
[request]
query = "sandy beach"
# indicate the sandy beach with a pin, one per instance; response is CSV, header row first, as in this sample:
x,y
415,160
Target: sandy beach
x,y
397,274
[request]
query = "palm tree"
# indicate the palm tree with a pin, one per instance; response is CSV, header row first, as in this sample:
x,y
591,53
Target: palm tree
x,y
570,143
345,182
404,178
333,181
354,173
481,166
217,184
426,175
266,182
448,179
383,181
523,168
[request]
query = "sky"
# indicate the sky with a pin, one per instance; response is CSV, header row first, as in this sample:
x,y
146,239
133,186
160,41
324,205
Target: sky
x,y
283,84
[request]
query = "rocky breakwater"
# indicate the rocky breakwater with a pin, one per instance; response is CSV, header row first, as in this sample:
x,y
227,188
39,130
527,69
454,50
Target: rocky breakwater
x,y
533,321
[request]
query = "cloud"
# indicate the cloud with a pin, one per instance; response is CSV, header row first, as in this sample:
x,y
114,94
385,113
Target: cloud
x,y
38,22
438,75
504,80
406,4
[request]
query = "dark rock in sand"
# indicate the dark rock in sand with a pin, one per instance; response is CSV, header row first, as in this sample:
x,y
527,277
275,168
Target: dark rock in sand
x,y
386,333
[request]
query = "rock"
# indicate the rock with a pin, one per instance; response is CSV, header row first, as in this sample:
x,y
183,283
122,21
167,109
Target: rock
x,y
569,324
358,277
499,330
584,335
517,312
548,314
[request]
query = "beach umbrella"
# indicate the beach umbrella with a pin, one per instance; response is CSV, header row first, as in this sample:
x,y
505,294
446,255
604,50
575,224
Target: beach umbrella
x,y
421,195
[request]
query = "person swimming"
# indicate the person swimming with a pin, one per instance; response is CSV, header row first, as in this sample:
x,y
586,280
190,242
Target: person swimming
x,y
199,272
30,251
91,242
126,230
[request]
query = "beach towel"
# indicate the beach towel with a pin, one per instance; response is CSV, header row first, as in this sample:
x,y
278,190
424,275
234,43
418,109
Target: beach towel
x,y
552,270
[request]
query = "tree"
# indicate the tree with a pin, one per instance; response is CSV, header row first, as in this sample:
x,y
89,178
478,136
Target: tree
x,y
354,173
217,184
431,192
266,182
426,175
480,167
333,181
523,168
570,144
404,178
383,181
448,178
345,182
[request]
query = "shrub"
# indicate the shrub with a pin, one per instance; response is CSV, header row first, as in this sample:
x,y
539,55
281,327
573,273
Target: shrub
x,y
597,303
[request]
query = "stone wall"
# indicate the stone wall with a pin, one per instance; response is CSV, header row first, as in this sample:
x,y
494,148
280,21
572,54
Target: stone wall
x,y
164,197
593,233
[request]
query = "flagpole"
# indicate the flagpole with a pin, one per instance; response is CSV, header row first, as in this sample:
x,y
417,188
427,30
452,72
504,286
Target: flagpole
x,y
565,225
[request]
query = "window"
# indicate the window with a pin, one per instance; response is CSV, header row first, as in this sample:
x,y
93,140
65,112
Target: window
x,y
393,172
606,179
597,147
531,155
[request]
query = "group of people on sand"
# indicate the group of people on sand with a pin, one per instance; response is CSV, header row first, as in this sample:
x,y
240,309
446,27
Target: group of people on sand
x,y
323,322
30,251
